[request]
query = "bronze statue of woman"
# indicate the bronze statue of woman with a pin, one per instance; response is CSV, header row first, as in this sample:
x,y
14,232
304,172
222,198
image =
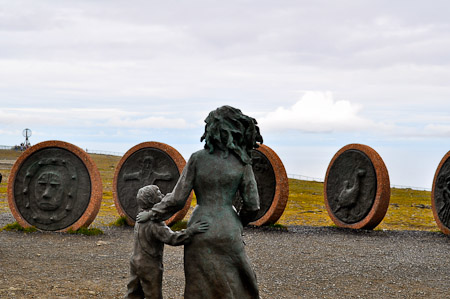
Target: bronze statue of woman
x,y
215,262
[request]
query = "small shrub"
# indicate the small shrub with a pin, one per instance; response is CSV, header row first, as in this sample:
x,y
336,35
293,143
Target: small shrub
x,y
278,226
16,226
86,231
121,221
179,225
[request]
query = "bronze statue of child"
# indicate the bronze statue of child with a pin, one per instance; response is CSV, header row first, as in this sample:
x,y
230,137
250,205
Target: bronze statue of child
x,y
146,268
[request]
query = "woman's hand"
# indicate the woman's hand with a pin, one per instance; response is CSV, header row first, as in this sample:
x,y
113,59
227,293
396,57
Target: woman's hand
x,y
144,216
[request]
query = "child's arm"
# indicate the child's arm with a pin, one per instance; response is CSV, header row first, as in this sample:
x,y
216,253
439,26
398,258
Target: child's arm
x,y
174,201
166,235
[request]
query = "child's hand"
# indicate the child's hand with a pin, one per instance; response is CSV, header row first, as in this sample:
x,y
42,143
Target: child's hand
x,y
199,227
144,216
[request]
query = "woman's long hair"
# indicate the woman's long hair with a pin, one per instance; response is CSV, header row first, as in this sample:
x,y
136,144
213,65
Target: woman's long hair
x,y
228,129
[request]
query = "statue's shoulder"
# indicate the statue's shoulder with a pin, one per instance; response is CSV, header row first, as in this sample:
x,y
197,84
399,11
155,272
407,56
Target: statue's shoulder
x,y
199,154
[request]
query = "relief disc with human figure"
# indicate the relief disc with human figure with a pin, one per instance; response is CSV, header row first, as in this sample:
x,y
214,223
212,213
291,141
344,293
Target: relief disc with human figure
x,y
51,186
148,163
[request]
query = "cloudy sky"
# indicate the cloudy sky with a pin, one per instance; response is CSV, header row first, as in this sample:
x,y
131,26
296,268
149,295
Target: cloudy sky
x,y
317,75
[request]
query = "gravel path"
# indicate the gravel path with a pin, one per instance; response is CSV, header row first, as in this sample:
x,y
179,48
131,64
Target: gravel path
x,y
303,262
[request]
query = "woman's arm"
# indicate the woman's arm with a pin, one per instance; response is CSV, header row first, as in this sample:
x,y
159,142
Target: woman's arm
x,y
174,201
250,197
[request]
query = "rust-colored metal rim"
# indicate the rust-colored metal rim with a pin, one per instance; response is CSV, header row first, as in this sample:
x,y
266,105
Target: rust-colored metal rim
x,y
281,188
382,196
439,223
176,157
96,183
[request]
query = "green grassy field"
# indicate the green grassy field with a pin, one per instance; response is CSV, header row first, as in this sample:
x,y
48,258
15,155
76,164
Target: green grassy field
x,y
408,209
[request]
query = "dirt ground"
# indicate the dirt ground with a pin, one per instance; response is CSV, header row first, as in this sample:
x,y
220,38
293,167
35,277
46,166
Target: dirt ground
x,y
302,262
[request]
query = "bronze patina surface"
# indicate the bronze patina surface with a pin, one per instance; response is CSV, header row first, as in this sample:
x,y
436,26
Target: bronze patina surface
x,y
440,195
54,186
273,186
148,163
215,262
356,188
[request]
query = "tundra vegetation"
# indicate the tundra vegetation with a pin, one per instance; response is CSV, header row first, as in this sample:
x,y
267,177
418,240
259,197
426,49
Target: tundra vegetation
x,y
408,209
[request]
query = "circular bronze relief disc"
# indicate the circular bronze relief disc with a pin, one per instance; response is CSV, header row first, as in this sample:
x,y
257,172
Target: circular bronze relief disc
x,y
440,195
54,186
356,187
148,163
273,185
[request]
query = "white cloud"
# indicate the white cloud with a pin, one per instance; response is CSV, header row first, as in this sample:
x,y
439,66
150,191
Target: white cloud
x,y
75,117
156,65
149,122
317,112
440,130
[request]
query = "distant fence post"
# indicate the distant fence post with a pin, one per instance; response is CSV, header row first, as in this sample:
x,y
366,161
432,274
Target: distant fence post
x,y
308,178
6,147
291,176
304,178
97,152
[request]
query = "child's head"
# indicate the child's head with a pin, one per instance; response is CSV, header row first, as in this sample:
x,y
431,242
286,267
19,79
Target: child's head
x,y
148,196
